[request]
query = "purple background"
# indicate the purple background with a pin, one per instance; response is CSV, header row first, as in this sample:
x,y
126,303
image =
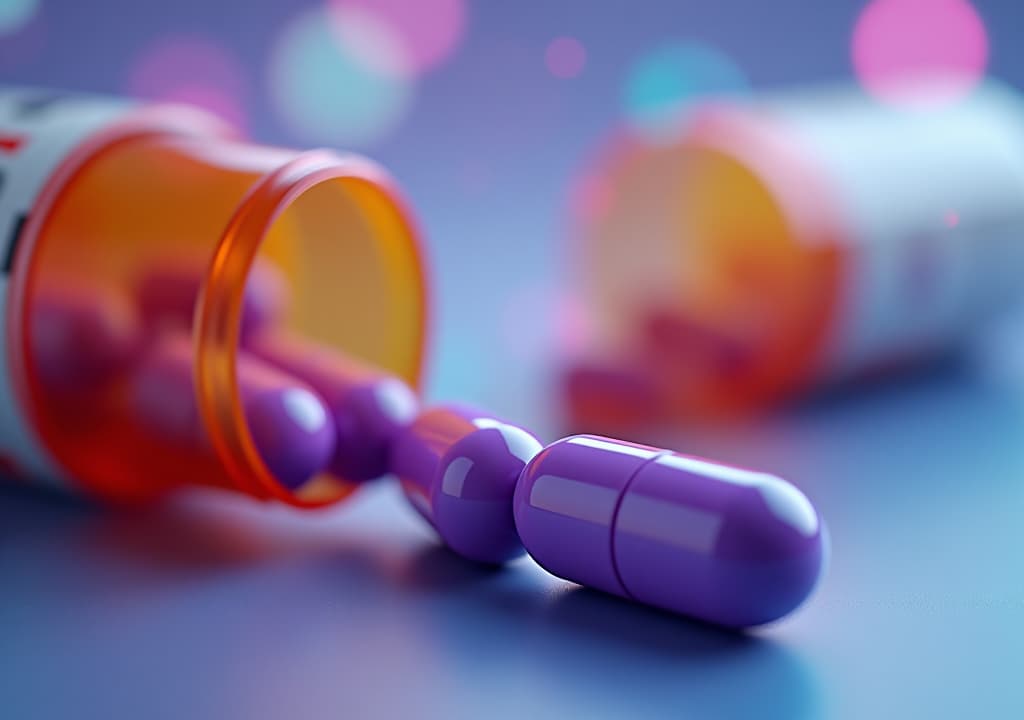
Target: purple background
x,y
213,608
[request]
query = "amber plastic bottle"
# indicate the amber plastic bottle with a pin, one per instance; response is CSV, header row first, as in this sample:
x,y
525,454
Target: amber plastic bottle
x,y
98,192
776,245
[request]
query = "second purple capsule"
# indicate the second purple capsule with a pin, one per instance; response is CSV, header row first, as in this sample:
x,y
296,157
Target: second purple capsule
x,y
459,469
722,544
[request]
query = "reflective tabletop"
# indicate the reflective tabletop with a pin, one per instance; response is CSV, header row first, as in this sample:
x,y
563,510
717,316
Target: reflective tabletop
x,y
213,606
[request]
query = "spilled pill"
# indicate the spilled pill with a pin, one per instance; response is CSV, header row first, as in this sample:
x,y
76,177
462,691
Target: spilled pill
x,y
718,543
459,468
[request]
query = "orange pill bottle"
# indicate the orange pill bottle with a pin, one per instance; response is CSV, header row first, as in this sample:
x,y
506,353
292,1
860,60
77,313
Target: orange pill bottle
x,y
776,245
94,193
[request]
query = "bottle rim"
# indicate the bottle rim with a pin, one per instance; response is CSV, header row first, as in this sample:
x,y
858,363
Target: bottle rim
x,y
219,309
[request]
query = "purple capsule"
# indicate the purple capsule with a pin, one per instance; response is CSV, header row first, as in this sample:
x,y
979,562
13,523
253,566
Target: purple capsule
x,y
717,543
82,337
168,291
289,424
368,406
459,468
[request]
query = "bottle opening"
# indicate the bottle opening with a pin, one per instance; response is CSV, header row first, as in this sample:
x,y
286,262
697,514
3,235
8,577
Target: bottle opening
x,y
329,226
160,259
703,278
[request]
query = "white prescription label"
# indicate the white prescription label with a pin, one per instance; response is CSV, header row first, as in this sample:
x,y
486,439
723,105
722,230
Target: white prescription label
x,y
935,235
38,130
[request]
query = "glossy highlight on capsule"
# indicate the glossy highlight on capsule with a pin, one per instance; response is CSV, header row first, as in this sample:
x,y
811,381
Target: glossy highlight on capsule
x,y
368,407
729,546
459,468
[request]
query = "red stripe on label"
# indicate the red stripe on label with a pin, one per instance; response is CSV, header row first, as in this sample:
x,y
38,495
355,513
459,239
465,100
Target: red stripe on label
x,y
11,143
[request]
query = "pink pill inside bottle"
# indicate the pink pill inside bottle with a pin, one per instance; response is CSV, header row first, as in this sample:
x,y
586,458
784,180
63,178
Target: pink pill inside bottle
x,y
287,420
167,293
84,336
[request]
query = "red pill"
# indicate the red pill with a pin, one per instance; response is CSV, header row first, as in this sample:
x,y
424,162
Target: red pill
x,y
678,341
167,294
612,396
289,424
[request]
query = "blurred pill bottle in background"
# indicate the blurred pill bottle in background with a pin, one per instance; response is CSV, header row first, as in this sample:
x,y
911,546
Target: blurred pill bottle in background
x,y
771,246
145,242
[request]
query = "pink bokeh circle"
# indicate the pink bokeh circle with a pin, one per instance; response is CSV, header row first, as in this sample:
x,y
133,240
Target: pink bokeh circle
x,y
194,70
919,51
428,31
565,57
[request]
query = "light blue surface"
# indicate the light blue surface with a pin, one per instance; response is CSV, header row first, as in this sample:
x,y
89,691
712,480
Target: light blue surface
x,y
214,607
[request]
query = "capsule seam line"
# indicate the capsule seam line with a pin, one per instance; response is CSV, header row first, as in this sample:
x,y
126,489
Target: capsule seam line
x,y
615,520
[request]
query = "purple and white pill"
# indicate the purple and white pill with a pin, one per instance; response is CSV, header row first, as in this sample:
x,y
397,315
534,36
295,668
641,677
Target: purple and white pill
x,y
721,544
459,469
368,407
287,420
